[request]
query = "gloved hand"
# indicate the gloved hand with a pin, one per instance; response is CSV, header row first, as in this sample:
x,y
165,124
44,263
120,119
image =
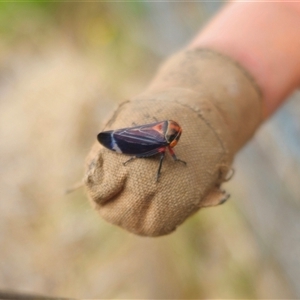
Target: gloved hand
x,y
218,106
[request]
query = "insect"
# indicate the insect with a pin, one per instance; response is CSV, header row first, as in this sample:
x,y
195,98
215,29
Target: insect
x,y
143,141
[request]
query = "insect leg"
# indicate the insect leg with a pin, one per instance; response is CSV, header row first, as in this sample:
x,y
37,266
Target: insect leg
x,y
174,156
162,155
127,161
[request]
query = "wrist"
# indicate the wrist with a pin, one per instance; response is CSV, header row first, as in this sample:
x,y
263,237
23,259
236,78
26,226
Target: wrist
x,y
264,39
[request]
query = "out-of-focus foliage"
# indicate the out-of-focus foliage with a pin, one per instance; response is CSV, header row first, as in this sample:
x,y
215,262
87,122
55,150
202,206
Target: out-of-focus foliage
x,y
64,66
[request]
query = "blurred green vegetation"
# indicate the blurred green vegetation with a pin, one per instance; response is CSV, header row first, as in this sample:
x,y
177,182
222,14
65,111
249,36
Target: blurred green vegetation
x,y
88,24
96,29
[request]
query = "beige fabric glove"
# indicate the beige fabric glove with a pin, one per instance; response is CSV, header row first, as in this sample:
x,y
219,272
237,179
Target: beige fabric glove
x,y
218,106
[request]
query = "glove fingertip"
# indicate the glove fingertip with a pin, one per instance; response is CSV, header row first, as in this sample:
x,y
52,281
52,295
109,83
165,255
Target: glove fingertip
x,y
100,185
215,197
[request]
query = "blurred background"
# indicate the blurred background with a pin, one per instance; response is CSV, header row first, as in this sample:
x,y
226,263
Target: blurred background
x,y
63,69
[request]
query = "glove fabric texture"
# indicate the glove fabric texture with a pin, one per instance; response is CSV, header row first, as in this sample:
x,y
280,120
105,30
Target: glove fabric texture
x,y
217,104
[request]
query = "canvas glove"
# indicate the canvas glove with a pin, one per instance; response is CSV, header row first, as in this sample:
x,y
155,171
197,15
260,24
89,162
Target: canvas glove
x,y
218,106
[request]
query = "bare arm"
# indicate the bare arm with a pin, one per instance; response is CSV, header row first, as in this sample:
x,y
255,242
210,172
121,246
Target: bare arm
x,y
264,38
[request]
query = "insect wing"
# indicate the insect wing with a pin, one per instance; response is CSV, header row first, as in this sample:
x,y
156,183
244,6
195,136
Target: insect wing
x,y
145,140
105,139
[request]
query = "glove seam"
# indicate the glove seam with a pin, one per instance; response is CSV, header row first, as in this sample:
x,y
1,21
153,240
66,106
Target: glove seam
x,y
233,62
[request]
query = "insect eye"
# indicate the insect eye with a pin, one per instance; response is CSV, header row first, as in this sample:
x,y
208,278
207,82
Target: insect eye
x,y
172,137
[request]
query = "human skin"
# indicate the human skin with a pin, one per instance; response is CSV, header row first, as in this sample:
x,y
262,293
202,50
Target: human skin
x,y
264,38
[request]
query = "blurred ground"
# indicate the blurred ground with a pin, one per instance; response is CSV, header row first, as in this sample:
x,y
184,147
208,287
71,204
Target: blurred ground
x,y
63,68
